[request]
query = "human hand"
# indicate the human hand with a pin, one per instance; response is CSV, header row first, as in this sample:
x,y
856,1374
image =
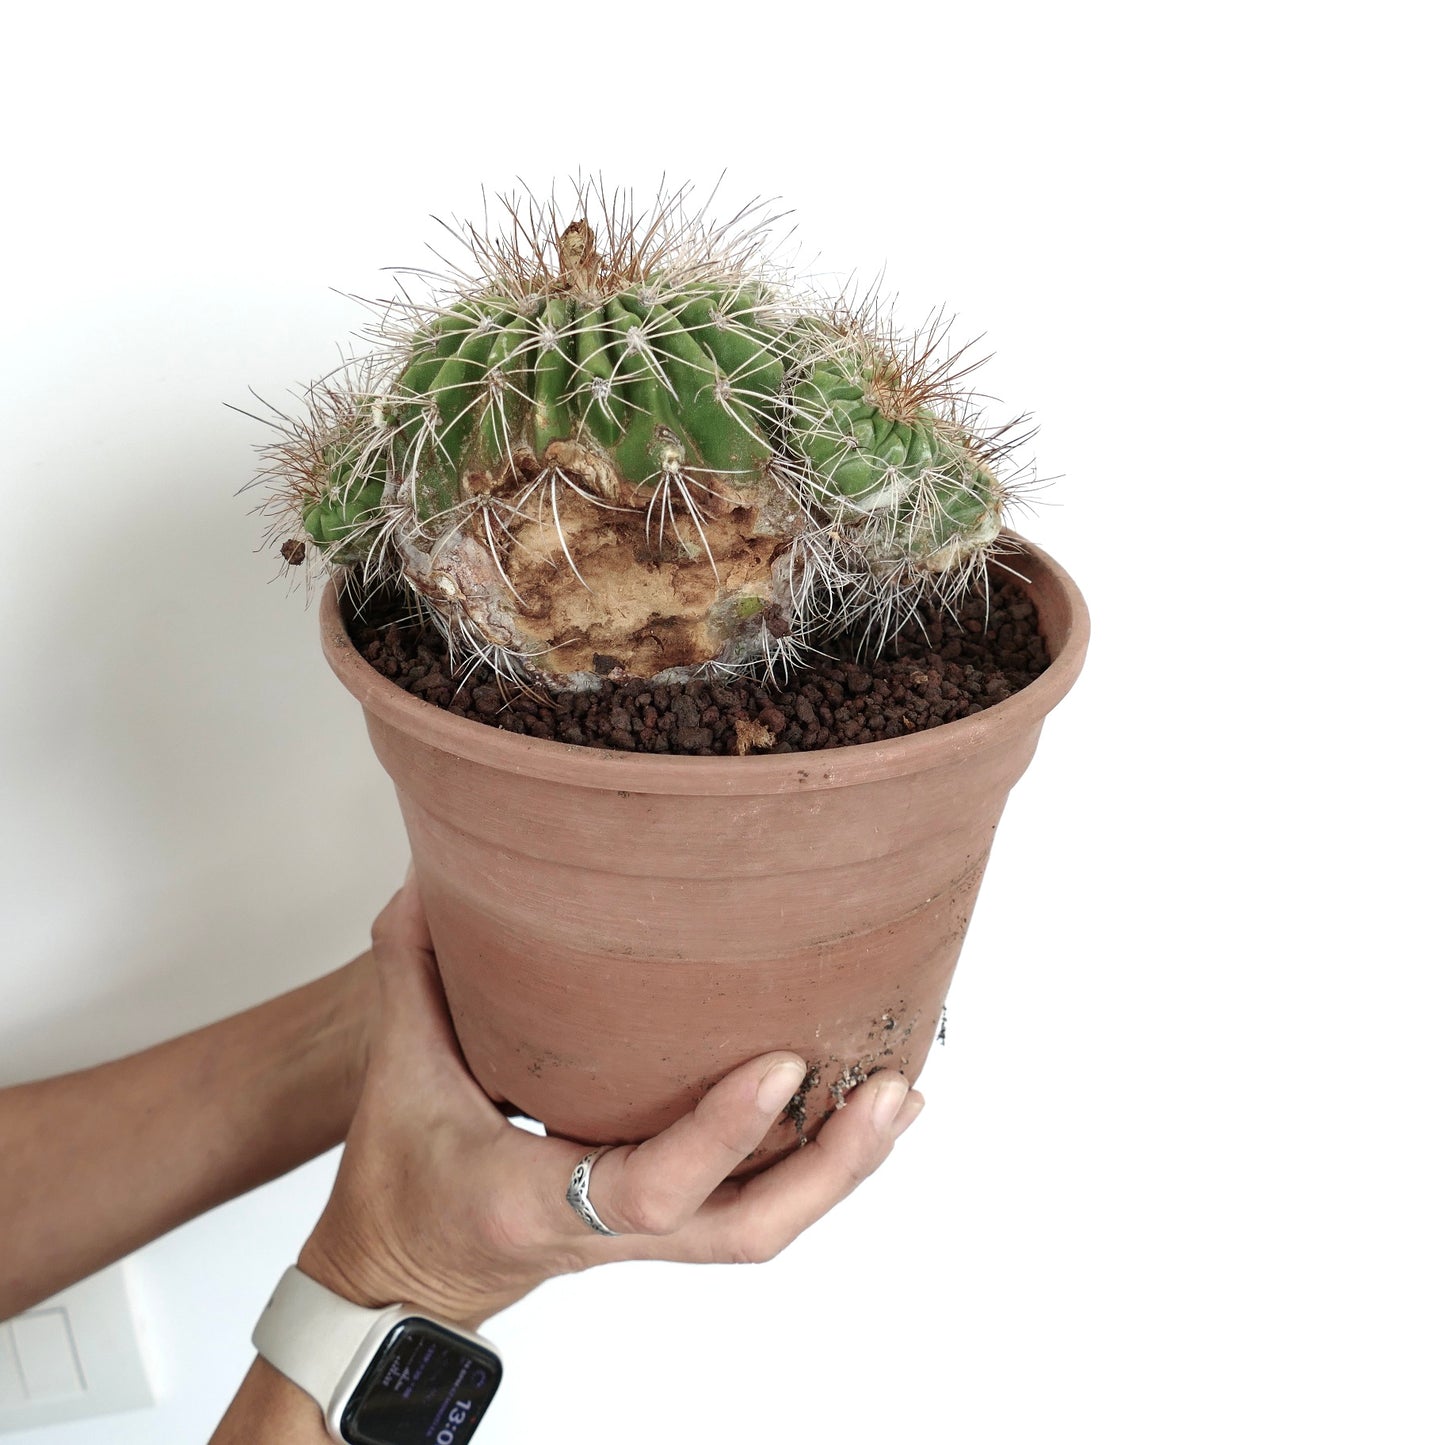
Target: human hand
x,y
440,1202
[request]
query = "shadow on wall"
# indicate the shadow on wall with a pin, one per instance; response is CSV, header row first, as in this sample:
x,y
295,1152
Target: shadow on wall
x,y
194,819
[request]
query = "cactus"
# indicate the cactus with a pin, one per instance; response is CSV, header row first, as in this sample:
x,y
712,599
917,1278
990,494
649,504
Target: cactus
x,y
876,451
641,452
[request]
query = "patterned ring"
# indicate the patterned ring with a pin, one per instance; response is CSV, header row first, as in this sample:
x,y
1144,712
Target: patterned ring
x,y
577,1192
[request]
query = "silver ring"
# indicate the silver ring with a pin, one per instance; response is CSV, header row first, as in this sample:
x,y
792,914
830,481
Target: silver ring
x,y
577,1192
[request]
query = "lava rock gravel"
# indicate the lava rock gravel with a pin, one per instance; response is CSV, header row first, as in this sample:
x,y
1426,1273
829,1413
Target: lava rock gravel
x,y
943,667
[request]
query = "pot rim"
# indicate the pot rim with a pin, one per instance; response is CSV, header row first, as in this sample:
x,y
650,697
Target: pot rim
x,y
612,769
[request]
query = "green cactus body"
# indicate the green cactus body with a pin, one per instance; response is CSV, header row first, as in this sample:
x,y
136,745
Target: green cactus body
x,y
862,460
647,384
648,456
343,515
901,467
963,504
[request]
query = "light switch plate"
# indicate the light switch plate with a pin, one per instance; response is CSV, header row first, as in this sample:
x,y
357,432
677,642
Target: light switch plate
x,y
74,1356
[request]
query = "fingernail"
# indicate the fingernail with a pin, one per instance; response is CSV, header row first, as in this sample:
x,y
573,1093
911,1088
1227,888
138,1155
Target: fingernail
x,y
912,1108
779,1085
888,1101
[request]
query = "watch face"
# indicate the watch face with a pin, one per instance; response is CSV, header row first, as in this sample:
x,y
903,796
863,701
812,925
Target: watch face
x,y
426,1386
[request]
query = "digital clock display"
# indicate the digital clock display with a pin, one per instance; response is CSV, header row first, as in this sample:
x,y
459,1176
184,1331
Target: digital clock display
x,y
427,1386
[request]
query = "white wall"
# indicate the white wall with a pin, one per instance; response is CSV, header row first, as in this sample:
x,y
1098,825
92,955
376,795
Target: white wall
x,y
1179,1178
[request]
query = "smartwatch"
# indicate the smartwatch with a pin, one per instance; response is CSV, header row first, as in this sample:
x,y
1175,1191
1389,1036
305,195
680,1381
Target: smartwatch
x,y
395,1376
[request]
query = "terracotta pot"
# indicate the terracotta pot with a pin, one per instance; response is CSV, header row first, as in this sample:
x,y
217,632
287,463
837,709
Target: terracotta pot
x,y
618,930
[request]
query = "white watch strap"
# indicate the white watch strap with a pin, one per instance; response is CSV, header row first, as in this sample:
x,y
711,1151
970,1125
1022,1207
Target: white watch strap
x,y
312,1335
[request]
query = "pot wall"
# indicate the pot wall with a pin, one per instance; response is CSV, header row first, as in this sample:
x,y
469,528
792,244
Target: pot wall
x,y
616,931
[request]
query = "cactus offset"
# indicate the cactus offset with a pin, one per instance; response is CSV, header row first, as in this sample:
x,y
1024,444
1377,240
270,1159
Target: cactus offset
x,y
875,452
644,454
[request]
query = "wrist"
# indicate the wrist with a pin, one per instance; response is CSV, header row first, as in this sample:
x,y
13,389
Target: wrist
x,y
339,1269
368,1272
269,1407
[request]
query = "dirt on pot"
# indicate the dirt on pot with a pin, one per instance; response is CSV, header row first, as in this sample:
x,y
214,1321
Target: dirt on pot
x,y
796,1110
838,1077
943,666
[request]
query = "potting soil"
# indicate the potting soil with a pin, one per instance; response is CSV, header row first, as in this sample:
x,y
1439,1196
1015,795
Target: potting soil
x,y
941,667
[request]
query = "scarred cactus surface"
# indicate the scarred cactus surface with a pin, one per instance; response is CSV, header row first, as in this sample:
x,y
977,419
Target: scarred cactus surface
x,y
641,452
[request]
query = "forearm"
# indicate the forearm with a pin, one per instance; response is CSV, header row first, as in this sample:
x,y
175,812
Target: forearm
x,y
101,1161
269,1407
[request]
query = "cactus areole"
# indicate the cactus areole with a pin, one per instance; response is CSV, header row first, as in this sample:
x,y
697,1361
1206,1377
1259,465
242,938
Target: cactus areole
x,y
640,451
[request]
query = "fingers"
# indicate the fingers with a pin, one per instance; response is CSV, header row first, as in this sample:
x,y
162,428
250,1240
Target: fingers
x,y
416,1028
401,943
401,925
655,1188
753,1221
